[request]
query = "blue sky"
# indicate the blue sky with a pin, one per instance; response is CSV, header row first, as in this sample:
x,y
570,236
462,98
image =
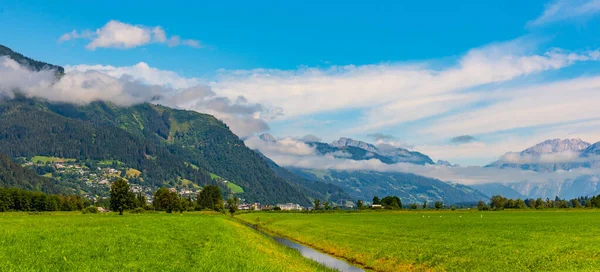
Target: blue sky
x,y
423,72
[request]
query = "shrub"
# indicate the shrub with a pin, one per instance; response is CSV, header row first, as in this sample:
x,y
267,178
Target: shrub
x,y
138,210
90,209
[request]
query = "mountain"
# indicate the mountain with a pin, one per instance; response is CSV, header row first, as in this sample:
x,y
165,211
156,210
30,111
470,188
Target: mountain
x,y
447,163
546,156
492,189
313,188
364,185
13,175
31,64
169,147
409,188
358,150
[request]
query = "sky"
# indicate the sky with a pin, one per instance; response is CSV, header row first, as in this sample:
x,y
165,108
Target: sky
x,y
463,81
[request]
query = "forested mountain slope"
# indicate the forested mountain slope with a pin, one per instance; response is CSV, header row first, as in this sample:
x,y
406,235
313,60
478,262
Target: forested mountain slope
x,y
164,143
12,175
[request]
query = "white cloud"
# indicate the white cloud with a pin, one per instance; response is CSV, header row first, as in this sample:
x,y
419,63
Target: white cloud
x,y
124,86
560,10
293,153
558,157
521,107
390,94
142,72
115,34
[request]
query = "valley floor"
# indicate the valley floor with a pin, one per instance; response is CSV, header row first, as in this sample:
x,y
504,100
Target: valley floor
x,y
565,240
139,242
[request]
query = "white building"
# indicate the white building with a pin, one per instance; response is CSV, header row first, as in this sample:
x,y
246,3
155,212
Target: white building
x,y
290,207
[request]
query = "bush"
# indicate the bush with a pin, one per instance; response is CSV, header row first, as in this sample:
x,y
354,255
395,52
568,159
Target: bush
x,y
90,209
138,210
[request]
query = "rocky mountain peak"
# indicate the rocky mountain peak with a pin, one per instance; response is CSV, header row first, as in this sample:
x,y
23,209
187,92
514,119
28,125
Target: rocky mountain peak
x,y
344,142
557,145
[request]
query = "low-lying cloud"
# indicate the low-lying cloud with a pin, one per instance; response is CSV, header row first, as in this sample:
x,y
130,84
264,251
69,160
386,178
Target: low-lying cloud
x,y
293,153
83,84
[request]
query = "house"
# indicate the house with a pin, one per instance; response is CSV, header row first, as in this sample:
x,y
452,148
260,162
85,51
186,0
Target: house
x,y
290,207
376,206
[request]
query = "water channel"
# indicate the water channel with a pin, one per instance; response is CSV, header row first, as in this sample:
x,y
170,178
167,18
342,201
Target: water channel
x,y
315,255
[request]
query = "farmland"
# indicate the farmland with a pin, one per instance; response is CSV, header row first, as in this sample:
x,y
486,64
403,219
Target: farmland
x,y
448,240
139,242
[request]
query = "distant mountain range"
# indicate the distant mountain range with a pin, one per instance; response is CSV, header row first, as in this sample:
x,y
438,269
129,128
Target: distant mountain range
x,y
364,185
551,155
546,157
359,150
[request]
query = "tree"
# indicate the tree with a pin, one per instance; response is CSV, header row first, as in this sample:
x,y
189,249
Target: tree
x,y
438,205
539,203
141,200
233,203
376,201
327,206
424,204
210,198
482,206
575,202
360,204
317,204
498,202
119,196
391,202
413,206
166,200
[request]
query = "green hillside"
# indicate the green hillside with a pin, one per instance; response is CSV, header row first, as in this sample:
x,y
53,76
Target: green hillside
x,y
13,175
165,144
409,188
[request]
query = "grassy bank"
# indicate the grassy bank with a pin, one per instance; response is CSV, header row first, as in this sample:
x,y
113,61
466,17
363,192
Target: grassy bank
x,y
144,242
453,241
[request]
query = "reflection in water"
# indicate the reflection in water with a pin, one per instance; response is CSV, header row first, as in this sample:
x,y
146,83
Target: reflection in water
x,y
317,256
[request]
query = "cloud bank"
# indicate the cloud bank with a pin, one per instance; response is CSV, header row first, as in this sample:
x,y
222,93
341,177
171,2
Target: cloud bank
x,y
115,34
125,86
289,152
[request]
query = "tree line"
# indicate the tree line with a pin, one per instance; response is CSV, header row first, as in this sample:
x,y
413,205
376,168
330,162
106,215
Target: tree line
x,y
14,199
209,198
499,202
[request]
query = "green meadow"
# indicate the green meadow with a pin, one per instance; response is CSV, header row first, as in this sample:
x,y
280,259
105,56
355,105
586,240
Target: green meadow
x,y
448,240
139,242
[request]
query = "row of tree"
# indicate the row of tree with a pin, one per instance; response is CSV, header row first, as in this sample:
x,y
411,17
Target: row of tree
x,y
499,202
14,199
210,198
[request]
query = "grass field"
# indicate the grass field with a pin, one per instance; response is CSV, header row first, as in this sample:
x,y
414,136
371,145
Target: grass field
x,y
449,240
236,189
44,159
143,242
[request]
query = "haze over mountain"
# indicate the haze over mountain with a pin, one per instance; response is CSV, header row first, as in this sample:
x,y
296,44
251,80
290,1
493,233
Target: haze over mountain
x,y
364,184
553,156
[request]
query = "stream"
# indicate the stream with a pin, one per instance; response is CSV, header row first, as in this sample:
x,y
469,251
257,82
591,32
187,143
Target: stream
x,y
315,255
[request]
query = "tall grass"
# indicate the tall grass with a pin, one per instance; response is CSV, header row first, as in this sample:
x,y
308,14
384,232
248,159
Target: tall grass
x,y
449,240
140,242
